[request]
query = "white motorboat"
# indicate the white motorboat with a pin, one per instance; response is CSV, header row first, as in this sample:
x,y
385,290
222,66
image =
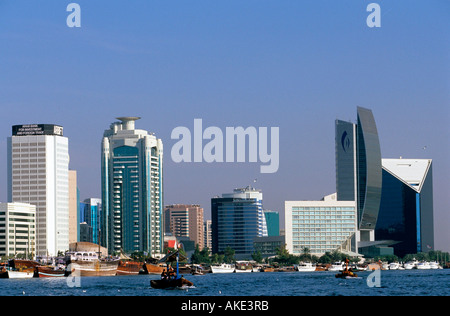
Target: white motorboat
x,y
336,266
306,267
394,266
434,265
223,268
384,266
20,274
423,265
410,265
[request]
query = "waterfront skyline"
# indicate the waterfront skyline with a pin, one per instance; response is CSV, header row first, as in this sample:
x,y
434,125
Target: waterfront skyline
x,y
297,66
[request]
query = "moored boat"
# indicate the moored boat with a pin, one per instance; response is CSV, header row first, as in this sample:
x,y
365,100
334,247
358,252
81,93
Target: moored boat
x,y
83,263
306,267
336,266
49,271
394,266
243,266
410,265
423,265
24,274
150,268
267,269
129,267
223,268
435,265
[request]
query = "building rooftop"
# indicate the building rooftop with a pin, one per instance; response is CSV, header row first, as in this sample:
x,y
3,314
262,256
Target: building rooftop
x,y
412,172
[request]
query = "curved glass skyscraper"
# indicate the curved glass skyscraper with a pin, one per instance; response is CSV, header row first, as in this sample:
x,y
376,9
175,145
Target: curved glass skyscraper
x,y
368,159
358,169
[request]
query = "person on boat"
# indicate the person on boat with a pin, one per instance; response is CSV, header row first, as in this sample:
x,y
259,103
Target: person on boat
x,y
171,273
164,275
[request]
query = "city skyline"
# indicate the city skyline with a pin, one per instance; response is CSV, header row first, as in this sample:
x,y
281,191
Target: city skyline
x,y
296,66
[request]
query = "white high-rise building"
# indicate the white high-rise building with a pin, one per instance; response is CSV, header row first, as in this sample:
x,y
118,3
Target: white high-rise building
x,y
17,232
38,174
321,226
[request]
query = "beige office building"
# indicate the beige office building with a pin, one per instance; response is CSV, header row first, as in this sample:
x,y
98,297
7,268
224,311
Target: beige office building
x,y
184,220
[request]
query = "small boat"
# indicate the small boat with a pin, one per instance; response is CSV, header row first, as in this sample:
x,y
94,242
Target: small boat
x,y
346,273
394,266
223,268
20,269
197,270
15,274
373,266
423,265
435,265
267,269
306,267
336,266
174,283
169,281
243,266
49,271
286,269
410,265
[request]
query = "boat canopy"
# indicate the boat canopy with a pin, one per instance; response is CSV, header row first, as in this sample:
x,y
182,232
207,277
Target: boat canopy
x,y
171,257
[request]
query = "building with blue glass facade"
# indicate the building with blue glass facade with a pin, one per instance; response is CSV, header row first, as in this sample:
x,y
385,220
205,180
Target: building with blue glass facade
x,y
91,214
237,218
358,171
406,210
132,190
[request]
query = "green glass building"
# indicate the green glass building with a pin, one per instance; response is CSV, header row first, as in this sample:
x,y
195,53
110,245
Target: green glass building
x,y
132,189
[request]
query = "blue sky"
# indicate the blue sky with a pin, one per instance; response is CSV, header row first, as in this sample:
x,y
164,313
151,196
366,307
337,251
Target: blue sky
x,y
296,65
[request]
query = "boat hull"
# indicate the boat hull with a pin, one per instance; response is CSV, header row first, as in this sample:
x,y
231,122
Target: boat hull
x,y
166,284
20,274
94,268
222,269
129,268
48,272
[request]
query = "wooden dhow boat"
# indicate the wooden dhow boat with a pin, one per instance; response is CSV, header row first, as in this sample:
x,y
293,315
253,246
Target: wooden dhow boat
x,y
84,260
128,266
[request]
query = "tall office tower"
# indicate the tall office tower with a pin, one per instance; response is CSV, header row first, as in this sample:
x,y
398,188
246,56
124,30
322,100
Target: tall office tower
x,y
91,214
185,221
273,222
74,208
208,234
406,210
358,169
38,174
132,189
237,218
18,229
